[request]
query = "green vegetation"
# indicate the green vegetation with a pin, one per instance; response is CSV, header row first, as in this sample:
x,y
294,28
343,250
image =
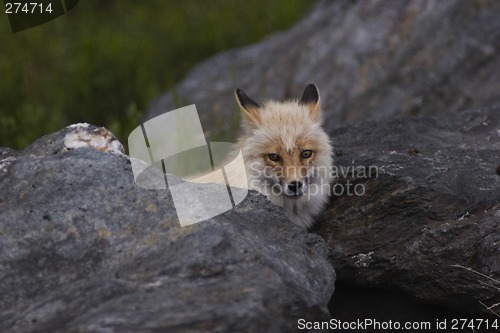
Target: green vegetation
x,y
104,61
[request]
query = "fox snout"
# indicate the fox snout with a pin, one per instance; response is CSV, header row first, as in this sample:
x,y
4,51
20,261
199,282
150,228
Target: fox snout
x,y
290,181
295,189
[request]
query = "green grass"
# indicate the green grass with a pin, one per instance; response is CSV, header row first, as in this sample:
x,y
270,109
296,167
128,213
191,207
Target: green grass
x,y
104,61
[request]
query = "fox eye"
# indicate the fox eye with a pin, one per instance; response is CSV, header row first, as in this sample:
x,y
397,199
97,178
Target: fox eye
x,y
273,157
306,153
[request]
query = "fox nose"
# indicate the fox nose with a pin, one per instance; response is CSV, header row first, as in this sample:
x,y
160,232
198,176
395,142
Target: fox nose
x,y
295,187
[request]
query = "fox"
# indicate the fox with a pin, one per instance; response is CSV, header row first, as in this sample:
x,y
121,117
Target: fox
x,y
286,152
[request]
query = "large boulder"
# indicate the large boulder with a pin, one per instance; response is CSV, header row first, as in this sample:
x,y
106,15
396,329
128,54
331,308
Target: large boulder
x,y
428,223
416,208
369,58
84,249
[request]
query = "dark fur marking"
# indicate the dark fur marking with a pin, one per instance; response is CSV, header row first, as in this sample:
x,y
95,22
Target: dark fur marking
x,y
310,96
246,101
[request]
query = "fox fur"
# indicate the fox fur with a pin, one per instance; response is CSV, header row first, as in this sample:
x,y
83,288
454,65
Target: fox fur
x,y
286,152
277,139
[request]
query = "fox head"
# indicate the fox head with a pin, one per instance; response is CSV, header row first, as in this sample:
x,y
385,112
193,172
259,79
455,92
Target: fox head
x,y
286,151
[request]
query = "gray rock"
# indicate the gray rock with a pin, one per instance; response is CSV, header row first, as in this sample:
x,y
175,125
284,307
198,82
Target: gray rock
x,y
369,59
83,249
426,221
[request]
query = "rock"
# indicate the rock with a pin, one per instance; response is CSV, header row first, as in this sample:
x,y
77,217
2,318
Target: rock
x,y
368,59
423,213
428,224
83,249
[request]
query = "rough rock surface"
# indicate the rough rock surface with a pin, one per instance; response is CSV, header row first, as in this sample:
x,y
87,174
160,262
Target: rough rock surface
x,y
429,222
427,217
369,59
83,249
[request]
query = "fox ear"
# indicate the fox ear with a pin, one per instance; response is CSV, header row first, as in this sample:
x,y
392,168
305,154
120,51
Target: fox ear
x,y
249,107
311,99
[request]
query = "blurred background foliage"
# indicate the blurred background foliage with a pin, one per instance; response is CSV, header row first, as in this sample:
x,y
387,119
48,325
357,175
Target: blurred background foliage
x,y
104,61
